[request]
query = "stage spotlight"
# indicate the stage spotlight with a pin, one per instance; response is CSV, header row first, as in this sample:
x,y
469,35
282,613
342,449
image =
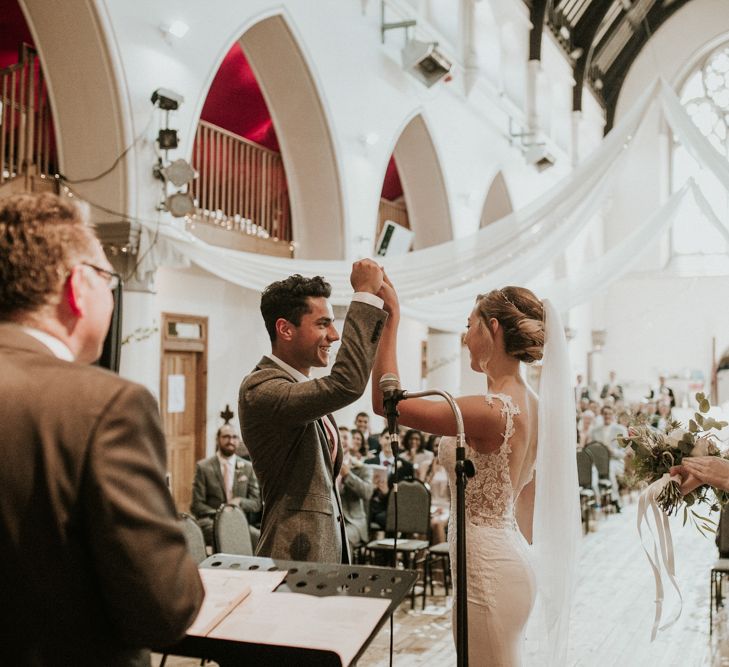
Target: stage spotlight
x,y
178,173
180,204
167,139
425,62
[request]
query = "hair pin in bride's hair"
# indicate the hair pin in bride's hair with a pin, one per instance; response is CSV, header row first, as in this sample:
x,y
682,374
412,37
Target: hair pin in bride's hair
x,y
507,299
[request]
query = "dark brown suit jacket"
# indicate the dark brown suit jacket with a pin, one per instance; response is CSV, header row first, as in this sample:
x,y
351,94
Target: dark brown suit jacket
x,y
93,566
281,419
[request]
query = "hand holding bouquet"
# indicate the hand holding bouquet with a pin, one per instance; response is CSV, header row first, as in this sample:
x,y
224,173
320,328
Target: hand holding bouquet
x,y
685,454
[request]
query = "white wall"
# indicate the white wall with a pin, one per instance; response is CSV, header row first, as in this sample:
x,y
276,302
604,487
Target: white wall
x,y
657,320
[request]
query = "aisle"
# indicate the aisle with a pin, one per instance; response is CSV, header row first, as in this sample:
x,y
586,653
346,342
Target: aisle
x,y
613,609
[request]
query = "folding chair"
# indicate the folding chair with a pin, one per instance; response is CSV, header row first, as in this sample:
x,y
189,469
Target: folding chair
x,y
584,479
231,533
601,457
413,507
194,537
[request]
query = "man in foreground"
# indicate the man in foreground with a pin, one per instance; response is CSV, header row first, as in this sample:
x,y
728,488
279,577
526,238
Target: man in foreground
x,y
286,416
93,566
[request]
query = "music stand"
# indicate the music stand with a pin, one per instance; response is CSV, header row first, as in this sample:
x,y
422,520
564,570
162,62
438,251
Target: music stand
x,y
319,579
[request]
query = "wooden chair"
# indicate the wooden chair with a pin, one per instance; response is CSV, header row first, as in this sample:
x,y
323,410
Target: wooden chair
x,y
231,533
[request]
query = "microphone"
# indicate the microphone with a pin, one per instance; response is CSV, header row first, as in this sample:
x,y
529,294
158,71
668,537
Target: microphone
x,y
391,396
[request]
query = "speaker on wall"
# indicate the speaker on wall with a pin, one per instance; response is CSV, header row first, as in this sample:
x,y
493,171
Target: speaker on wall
x,y
394,239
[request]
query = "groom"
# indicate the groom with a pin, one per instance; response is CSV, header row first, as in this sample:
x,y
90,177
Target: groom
x,y
286,416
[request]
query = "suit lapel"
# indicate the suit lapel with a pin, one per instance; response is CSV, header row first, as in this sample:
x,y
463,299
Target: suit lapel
x,y
325,446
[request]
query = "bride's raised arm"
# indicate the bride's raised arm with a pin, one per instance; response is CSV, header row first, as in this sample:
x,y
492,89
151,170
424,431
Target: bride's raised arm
x,y
483,426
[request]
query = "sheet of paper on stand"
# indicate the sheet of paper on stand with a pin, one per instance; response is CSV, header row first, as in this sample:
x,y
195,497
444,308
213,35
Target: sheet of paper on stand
x,y
336,623
225,590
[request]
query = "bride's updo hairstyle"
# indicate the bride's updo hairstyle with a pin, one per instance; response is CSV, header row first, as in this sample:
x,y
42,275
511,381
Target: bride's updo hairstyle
x,y
521,316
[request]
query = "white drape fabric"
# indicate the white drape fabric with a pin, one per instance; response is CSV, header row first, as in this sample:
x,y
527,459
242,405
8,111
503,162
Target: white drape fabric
x,y
437,285
557,527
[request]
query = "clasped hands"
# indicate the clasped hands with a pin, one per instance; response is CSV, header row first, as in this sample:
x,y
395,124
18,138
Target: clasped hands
x,y
368,276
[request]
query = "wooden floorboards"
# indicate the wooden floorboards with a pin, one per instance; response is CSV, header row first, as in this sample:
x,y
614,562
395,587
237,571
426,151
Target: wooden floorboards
x,y
612,613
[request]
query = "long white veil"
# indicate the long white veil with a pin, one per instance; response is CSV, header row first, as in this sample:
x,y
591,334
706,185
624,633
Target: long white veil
x,y
557,527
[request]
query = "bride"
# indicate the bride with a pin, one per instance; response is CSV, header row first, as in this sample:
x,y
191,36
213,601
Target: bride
x,y
505,442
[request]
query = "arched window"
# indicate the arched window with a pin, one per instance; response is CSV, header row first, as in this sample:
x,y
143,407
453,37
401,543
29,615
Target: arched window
x,y
705,97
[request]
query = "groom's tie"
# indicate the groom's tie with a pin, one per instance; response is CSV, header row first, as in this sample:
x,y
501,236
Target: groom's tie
x,y
331,436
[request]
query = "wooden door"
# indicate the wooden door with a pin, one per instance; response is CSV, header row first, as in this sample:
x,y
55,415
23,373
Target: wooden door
x,y
183,400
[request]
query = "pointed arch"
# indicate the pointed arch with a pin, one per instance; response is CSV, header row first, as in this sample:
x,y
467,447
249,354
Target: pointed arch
x,y
424,189
498,202
91,122
302,128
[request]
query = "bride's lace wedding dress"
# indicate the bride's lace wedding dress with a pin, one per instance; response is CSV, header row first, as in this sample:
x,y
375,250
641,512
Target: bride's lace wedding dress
x,y
501,586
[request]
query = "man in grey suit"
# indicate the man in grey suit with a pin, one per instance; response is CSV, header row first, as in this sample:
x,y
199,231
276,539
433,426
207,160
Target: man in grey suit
x,y
286,416
224,478
93,564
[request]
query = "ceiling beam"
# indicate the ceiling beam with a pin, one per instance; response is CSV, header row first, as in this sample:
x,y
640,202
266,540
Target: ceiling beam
x,y
583,35
616,74
537,12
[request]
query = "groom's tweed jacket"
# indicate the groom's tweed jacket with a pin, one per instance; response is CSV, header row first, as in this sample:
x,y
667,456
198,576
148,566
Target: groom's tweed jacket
x,y
290,452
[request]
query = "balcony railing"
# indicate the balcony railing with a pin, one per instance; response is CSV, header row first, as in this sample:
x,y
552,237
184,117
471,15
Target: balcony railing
x,y
241,188
26,126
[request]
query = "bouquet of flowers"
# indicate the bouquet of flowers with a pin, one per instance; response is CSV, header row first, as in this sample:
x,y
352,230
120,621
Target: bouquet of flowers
x,y
655,452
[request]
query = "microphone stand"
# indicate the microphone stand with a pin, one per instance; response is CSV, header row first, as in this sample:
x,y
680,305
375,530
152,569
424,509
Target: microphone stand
x,y
464,470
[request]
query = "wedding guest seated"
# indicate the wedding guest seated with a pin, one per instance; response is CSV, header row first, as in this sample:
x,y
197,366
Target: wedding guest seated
x,y
584,428
384,462
225,478
413,446
345,437
664,416
624,418
362,423
436,477
648,410
360,442
595,408
355,491
608,434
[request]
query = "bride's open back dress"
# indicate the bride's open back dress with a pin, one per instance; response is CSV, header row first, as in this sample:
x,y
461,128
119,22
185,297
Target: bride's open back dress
x,y
501,586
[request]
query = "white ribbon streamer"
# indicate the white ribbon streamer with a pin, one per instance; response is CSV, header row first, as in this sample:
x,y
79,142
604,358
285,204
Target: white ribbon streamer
x,y
663,529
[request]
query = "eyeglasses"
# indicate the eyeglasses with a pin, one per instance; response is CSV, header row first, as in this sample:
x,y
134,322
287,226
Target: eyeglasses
x,y
113,280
